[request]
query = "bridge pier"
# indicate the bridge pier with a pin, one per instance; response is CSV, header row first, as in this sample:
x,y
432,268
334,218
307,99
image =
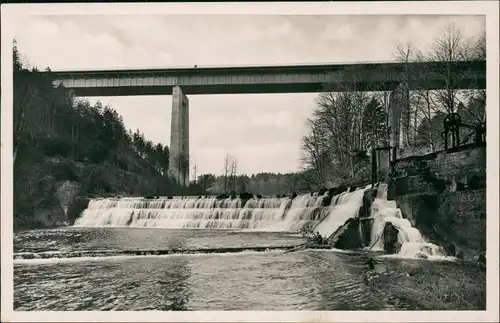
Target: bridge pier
x,y
179,138
398,102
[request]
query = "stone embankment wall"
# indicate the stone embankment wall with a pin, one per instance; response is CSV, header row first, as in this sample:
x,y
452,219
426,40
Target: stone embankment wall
x,y
444,196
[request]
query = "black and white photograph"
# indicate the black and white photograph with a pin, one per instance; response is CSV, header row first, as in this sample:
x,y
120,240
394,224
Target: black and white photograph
x,y
191,158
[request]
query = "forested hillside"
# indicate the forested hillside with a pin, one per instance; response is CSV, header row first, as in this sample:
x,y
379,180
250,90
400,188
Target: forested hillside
x,y
57,138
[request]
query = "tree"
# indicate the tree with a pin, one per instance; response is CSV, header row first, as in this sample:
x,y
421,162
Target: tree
x,y
335,137
166,159
315,153
428,133
233,175
16,57
374,123
229,174
242,183
476,98
406,54
449,47
206,181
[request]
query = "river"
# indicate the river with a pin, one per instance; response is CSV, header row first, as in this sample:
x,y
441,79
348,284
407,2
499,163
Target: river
x,y
132,254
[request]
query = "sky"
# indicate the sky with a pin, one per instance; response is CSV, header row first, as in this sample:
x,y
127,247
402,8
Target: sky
x,y
262,131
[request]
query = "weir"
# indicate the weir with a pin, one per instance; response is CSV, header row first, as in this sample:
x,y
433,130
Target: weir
x,y
264,214
332,219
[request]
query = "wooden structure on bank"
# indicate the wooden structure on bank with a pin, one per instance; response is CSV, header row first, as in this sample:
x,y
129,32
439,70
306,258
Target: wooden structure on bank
x,y
453,123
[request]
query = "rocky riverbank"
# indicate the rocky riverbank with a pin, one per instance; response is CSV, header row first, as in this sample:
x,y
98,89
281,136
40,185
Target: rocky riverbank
x,y
461,287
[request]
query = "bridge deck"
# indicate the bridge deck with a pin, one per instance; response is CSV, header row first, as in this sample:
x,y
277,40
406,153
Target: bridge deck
x,y
271,79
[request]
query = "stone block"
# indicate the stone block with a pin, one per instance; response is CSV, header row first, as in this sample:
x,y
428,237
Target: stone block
x,y
462,217
410,185
466,168
391,238
368,197
420,209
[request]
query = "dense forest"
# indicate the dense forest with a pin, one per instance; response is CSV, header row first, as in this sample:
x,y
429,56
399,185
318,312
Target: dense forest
x,y
58,138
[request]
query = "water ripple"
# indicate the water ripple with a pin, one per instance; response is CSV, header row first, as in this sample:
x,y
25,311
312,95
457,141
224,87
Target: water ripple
x,y
273,280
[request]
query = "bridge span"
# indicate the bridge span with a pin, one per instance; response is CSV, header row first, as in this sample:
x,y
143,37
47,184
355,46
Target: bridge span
x,y
270,79
179,82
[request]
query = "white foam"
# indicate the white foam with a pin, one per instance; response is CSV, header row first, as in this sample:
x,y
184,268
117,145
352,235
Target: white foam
x,y
54,261
264,214
413,244
346,206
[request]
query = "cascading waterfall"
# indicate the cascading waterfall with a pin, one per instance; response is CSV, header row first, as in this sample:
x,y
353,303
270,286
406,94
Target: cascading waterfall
x,y
262,214
302,210
183,213
413,244
343,207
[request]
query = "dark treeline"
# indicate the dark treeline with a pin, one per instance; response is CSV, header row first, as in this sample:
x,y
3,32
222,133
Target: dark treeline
x,y
265,184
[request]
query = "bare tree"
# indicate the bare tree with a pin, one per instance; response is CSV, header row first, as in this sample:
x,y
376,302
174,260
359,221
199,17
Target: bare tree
x,y
450,47
233,175
229,173
422,127
315,154
406,54
342,125
476,98
335,139
226,170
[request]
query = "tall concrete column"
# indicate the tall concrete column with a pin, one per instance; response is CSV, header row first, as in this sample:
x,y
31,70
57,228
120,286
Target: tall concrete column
x,y
399,101
179,138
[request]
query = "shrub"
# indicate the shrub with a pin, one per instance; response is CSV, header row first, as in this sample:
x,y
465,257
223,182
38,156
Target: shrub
x,y
312,236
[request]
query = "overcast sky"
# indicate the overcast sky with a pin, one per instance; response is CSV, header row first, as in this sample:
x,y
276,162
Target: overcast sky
x,y
263,131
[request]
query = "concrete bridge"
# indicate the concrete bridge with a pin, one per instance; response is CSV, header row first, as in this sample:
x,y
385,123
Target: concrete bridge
x,y
180,82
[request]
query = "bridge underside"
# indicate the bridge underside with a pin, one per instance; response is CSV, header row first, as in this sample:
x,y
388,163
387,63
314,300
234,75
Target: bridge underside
x,y
261,88
205,89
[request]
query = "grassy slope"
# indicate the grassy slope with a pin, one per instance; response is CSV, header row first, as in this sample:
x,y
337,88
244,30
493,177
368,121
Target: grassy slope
x,y
462,287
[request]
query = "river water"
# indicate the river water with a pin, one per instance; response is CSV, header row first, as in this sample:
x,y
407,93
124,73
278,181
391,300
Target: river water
x,y
247,280
134,254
